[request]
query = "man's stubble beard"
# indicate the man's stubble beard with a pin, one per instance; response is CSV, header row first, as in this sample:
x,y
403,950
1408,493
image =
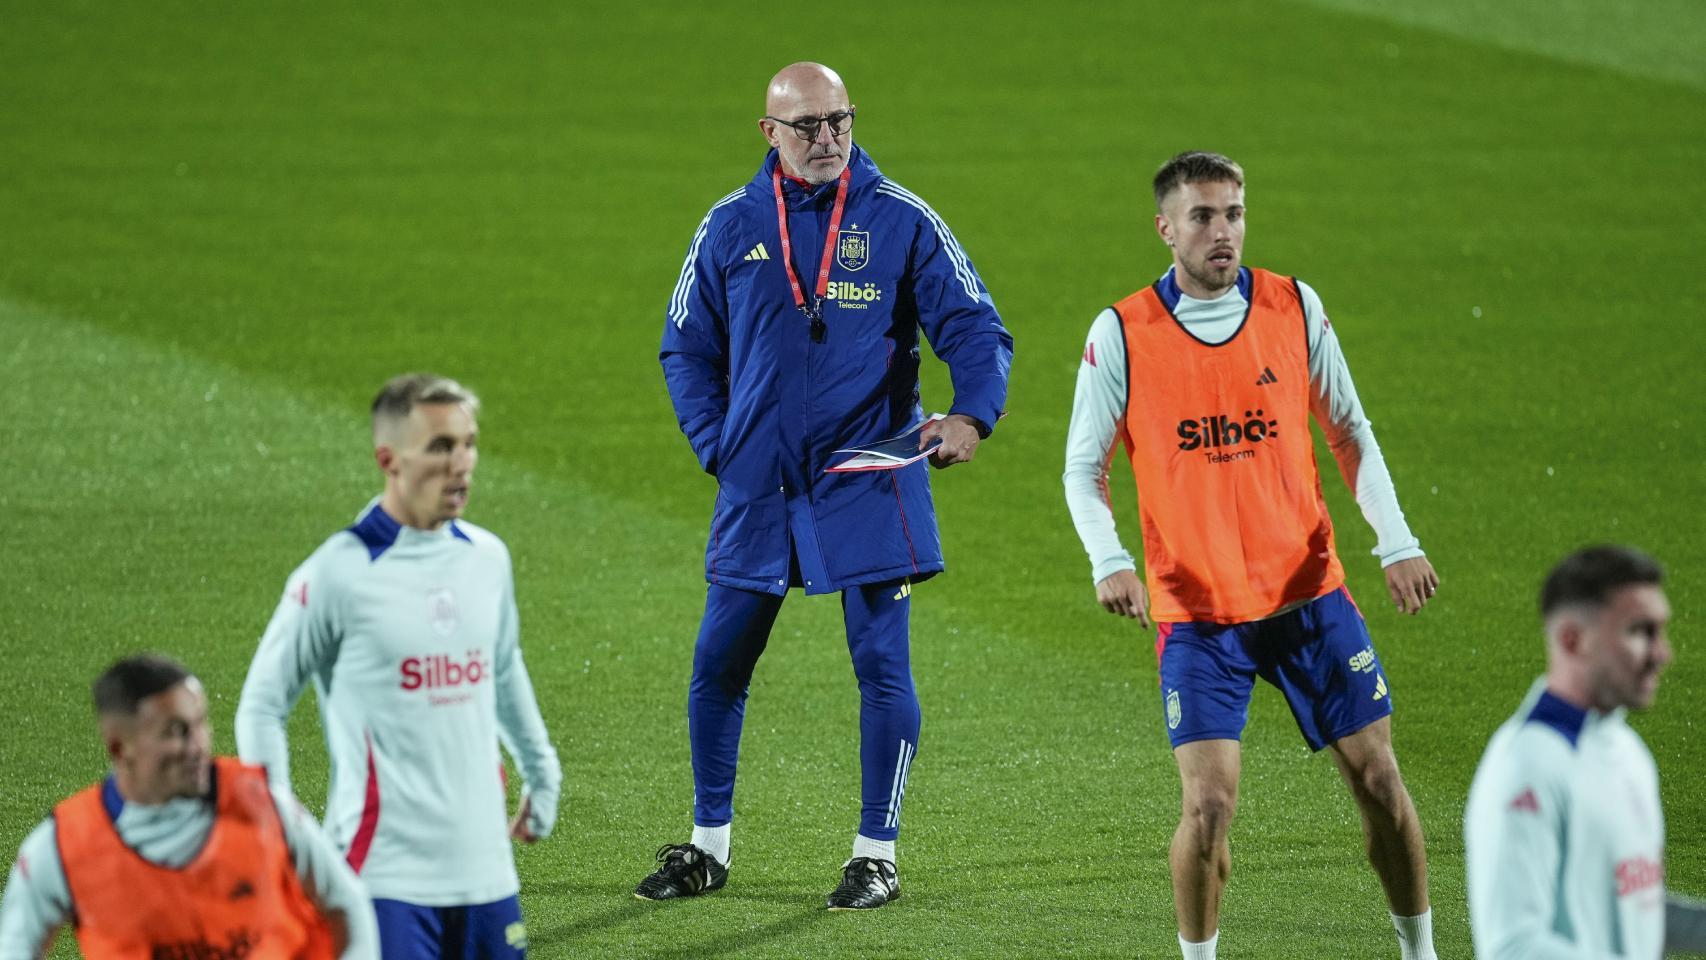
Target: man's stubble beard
x,y
1209,282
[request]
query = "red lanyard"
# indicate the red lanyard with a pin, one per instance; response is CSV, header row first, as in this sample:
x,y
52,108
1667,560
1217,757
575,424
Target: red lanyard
x,y
814,310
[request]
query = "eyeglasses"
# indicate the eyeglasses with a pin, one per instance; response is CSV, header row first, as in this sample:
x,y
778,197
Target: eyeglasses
x,y
839,122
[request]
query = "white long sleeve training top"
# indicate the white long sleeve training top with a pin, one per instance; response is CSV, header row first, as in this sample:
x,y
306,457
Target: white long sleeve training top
x,y
1564,838
412,641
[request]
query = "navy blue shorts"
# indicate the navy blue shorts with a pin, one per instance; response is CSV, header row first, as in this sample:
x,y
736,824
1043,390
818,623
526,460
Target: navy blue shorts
x,y
487,931
1319,655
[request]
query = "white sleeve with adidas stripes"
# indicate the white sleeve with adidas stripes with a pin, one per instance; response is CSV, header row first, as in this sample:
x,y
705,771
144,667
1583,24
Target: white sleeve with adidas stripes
x,y
37,901
301,640
1098,407
521,727
1334,403
1514,830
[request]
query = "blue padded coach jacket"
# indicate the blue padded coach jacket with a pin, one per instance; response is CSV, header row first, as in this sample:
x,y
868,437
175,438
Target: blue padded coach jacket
x,y
764,405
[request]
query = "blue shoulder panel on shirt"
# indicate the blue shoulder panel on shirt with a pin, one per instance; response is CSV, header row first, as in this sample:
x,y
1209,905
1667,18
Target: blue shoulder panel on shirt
x,y
377,530
1168,289
111,799
1560,715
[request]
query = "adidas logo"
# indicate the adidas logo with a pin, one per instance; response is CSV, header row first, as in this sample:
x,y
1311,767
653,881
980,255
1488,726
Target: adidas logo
x,y
757,253
905,590
1379,686
1266,378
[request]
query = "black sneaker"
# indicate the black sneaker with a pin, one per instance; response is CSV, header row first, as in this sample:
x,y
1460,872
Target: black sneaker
x,y
683,871
866,884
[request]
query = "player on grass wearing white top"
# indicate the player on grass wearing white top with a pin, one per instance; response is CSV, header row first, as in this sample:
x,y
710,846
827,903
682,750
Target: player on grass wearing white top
x,y
406,624
1564,839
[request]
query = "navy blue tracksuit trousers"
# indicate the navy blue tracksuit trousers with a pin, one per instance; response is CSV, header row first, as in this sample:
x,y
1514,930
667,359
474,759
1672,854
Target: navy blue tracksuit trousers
x,y
732,635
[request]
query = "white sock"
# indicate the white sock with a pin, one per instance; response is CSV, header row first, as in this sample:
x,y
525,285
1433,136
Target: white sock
x,y
1199,951
713,840
1416,936
864,846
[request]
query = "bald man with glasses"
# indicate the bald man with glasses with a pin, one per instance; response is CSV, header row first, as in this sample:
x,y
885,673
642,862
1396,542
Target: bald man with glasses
x,y
793,333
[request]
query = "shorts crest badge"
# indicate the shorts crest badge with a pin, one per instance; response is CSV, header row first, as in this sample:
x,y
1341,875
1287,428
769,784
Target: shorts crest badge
x,y
516,935
853,249
1174,714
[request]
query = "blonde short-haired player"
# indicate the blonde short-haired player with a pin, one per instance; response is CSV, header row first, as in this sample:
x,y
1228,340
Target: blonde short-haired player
x,y
406,625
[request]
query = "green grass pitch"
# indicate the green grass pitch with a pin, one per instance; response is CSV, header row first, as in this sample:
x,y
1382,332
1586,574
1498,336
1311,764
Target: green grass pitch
x,y
223,225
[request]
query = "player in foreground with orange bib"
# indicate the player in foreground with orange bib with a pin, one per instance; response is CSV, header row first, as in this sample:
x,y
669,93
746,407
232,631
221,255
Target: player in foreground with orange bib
x,y
1209,378
179,854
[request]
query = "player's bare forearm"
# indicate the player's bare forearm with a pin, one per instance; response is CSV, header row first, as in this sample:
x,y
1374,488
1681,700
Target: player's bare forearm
x,y
1411,584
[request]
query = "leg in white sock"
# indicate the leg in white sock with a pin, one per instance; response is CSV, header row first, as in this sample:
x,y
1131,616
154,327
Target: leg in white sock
x,y
714,841
1199,951
1415,936
864,846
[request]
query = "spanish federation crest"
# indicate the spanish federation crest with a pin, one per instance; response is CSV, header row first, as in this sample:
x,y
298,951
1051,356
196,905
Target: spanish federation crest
x,y
441,608
853,249
1174,714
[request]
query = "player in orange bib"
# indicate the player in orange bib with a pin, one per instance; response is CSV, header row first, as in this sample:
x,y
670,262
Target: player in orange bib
x,y
1209,377
178,855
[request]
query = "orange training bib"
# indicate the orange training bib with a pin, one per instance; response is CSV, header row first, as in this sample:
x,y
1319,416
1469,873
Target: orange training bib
x,y
1234,525
239,897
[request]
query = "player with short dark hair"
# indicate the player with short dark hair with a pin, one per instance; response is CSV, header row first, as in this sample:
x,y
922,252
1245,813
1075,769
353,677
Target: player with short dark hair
x,y
406,625
1210,377
1194,166
121,688
1564,835
178,853
1588,577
